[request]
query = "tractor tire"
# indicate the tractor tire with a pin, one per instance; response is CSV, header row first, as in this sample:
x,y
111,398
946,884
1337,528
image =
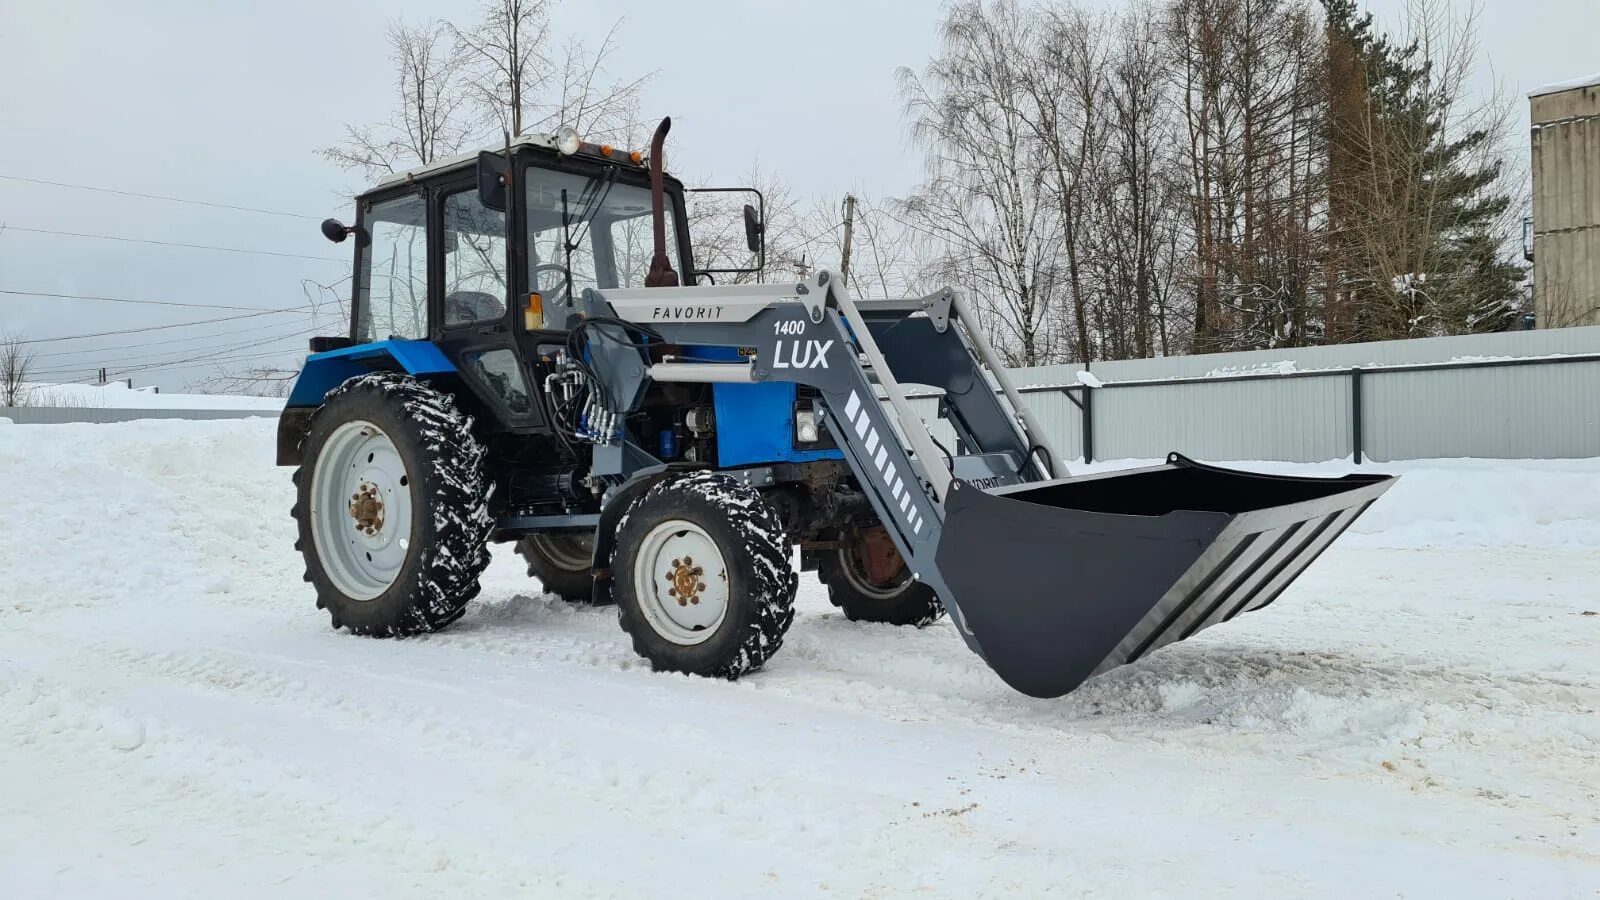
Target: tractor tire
x,y
563,563
890,596
704,582
392,507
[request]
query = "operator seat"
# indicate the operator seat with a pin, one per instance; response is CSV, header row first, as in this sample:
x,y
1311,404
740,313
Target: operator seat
x,y
466,307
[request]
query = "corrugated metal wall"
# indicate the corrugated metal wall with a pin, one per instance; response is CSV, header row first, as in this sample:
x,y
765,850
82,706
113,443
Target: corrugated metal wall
x,y
1544,411
1296,405
1297,419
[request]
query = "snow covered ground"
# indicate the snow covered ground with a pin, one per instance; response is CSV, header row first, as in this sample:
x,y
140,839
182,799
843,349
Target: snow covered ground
x,y
117,395
1418,717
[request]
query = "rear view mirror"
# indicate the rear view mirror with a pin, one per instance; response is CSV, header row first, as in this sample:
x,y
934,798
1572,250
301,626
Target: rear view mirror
x,y
494,173
755,232
334,230
754,229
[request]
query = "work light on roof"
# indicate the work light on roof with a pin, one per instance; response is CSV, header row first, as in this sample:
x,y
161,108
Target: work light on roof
x,y
567,140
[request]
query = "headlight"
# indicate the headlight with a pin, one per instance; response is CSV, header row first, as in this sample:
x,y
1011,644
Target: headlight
x,y
805,426
567,140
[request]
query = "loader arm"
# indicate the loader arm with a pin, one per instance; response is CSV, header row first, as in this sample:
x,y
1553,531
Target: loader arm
x,y
1050,580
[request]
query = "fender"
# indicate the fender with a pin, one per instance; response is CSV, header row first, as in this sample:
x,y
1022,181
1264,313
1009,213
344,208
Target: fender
x,y
325,371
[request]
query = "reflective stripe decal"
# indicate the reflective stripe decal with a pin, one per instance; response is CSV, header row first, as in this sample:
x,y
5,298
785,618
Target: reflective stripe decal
x,y
905,502
851,405
872,441
882,459
862,424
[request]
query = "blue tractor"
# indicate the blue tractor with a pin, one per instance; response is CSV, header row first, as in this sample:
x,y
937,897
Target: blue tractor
x,y
523,366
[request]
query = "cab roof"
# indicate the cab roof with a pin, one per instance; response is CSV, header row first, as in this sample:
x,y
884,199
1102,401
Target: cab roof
x,y
542,141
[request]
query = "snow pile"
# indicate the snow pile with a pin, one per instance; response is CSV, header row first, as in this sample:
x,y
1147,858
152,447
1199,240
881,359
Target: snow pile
x,y
1461,503
118,395
1416,716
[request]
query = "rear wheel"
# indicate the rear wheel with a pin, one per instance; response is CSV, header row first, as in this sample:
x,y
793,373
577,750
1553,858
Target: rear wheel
x,y
392,507
562,561
870,582
704,583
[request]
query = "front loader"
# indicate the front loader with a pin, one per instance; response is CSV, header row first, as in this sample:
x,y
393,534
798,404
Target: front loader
x,y
524,366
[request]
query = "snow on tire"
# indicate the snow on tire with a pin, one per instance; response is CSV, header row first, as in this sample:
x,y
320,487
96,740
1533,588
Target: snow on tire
x,y
392,506
704,582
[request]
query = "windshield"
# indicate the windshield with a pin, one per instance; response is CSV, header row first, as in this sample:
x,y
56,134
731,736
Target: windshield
x,y
607,222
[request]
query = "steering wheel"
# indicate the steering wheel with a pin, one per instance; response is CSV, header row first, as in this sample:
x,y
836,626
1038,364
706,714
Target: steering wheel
x,y
556,269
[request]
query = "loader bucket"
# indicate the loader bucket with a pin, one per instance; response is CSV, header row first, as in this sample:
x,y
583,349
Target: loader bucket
x,y
1059,581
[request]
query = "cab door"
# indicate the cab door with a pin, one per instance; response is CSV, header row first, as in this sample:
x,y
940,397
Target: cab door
x,y
472,263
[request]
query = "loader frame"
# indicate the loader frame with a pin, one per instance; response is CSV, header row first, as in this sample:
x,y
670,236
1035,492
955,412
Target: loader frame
x,y
815,334
1064,577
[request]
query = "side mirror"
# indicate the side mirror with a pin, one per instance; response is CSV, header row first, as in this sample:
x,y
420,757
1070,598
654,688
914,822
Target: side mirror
x,y
335,231
755,230
494,173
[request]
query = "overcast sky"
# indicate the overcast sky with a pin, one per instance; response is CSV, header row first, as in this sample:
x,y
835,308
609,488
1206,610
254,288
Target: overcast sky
x,y
229,102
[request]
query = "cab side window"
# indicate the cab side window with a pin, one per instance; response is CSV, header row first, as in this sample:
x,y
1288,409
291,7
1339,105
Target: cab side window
x,y
475,287
392,296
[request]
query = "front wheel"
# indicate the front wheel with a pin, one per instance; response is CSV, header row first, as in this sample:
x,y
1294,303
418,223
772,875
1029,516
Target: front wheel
x,y
704,582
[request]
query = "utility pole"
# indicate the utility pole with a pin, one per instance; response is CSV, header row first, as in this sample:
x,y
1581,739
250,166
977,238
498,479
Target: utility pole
x,y
849,228
102,376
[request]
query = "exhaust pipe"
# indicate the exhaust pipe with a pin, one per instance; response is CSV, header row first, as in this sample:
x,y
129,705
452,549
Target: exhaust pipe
x,y
661,273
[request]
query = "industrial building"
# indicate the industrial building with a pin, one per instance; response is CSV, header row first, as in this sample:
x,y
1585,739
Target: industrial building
x,y
1566,203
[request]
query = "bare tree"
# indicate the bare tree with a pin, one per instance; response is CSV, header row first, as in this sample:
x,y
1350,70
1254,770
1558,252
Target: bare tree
x,y
430,118
522,83
984,202
717,226
1138,200
459,87
15,361
257,381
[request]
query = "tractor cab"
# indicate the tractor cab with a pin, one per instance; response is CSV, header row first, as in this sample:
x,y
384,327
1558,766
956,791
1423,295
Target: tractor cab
x,y
479,259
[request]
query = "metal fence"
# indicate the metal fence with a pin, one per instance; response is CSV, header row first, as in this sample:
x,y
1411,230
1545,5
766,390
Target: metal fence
x,y
1494,396
61,415
1518,395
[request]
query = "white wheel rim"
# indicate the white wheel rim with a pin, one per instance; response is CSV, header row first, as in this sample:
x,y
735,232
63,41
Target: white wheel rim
x,y
681,582
361,510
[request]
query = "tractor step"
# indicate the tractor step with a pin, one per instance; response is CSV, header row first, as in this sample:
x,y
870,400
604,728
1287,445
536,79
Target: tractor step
x,y
1061,580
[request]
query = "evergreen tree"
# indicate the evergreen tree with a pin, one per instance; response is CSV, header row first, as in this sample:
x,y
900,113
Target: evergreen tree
x,y
1416,213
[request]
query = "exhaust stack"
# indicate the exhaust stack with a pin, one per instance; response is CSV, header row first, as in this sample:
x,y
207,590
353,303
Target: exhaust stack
x,y
661,273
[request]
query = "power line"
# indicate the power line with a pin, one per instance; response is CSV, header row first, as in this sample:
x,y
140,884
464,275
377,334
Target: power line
x,y
112,237
85,187
134,370
224,354
129,300
163,353
77,337
166,343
